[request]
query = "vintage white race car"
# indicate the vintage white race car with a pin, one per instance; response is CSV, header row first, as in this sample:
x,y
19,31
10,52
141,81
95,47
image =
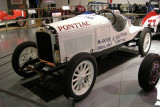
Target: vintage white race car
x,y
74,43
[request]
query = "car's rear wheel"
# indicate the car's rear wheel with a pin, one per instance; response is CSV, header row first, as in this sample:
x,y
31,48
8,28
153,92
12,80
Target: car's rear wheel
x,y
144,42
20,23
23,53
149,72
80,76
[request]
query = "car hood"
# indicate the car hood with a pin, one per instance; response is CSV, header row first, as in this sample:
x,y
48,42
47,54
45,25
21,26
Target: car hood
x,y
79,22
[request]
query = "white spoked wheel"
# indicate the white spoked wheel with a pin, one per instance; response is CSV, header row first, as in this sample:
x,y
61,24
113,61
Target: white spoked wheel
x,y
27,54
144,42
79,76
82,77
147,41
24,53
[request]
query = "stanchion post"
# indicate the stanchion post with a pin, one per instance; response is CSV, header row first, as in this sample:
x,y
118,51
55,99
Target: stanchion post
x,y
71,102
6,26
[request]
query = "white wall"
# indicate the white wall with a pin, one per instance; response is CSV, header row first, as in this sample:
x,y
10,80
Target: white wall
x,y
131,1
60,3
3,5
78,2
85,2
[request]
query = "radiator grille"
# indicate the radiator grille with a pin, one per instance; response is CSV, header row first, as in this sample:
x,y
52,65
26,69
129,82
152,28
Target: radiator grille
x,y
44,46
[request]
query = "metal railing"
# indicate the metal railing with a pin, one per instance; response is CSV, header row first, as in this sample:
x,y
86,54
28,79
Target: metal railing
x,y
29,24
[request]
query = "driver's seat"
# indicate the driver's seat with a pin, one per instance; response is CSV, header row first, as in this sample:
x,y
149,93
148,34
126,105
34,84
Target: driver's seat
x,y
120,23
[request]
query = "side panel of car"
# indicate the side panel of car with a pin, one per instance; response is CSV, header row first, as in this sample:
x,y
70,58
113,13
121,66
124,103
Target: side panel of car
x,y
149,15
103,39
18,13
119,37
107,36
151,20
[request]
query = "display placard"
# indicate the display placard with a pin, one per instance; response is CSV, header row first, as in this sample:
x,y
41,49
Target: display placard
x,y
65,7
32,11
49,1
16,1
55,16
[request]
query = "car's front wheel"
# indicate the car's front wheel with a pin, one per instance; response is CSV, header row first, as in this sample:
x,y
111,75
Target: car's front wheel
x,y
80,76
149,72
23,53
144,42
20,23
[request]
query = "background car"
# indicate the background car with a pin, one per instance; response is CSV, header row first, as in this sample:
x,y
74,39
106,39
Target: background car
x,y
152,19
78,10
15,15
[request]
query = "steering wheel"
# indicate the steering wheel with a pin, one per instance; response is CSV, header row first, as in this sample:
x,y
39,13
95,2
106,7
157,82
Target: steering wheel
x,y
104,11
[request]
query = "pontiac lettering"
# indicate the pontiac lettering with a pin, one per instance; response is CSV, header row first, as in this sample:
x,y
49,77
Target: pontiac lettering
x,y
74,25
